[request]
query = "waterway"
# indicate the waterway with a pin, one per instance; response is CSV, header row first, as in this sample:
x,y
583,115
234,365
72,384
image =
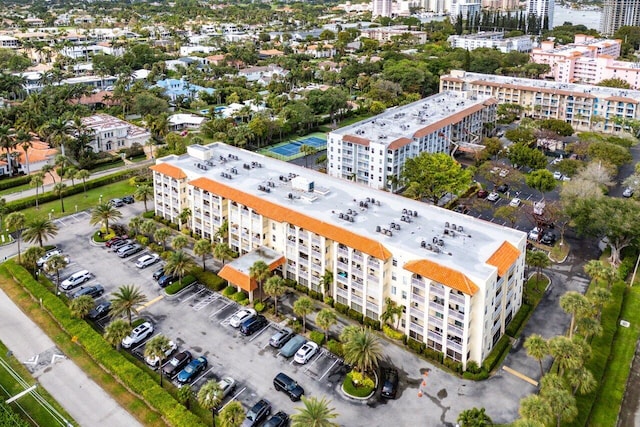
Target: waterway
x,y
588,18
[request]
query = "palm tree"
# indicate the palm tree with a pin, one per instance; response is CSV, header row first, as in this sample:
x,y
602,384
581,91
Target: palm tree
x,y
327,281
302,307
589,327
184,217
48,169
148,227
259,272
232,415
325,319
567,354
81,306
202,248
538,260
15,221
54,265
23,139
134,224
31,257
143,192
36,181
315,413
179,264
179,242
126,300
83,175
223,252
581,380
222,233
474,417
56,132
156,348
575,304
210,396
391,311
161,235
103,213
535,408
39,230
307,150
362,350
116,331
537,347
185,393
561,402
7,143
274,287
58,188
595,269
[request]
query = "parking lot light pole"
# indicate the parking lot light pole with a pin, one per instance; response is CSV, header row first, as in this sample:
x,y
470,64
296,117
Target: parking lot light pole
x,y
100,200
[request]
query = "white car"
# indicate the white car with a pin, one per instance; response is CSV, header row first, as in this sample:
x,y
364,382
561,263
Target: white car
x,y
306,352
138,334
227,385
628,192
241,315
46,257
534,234
557,175
155,361
515,202
493,196
147,260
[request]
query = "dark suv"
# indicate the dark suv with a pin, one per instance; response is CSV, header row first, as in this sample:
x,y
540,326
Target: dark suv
x,y
253,324
257,413
283,382
175,365
390,384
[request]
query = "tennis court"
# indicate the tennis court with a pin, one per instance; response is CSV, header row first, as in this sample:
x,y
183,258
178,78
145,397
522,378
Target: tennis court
x,y
291,149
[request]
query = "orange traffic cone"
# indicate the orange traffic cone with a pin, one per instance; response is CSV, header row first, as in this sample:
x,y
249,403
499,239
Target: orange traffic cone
x,y
419,393
424,383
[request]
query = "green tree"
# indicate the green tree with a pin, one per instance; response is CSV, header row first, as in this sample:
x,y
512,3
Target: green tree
x,y
161,235
522,155
179,242
81,306
392,312
232,415
31,257
303,307
362,350
157,347
184,217
560,127
83,175
185,393
148,227
116,331
536,408
538,348
562,403
259,272
202,248
521,136
581,380
609,152
314,413
15,222
54,265
474,417
103,214
134,225
577,305
39,230
537,260
179,264
143,193
614,82
58,189
274,287
541,180
598,297
508,213
307,150
223,252
433,175
325,319
567,354
126,301
210,396
36,181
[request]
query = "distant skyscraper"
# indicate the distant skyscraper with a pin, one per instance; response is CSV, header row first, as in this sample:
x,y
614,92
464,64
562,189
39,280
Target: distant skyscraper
x,y
381,8
542,9
618,13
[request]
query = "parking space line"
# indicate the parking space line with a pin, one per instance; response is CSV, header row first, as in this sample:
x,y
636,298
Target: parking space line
x,y
227,304
256,335
329,369
203,375
142,344
234,397
311,363
153,301
206,301
194,295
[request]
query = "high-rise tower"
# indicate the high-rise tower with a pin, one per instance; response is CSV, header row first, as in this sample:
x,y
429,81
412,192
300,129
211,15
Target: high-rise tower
x,y
618,13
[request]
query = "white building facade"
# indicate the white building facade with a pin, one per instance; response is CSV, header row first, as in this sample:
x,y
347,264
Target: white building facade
x,y
491,40
112,134
543,9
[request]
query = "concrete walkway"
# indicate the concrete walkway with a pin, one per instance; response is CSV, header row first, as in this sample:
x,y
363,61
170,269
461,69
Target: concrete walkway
x,y
81,397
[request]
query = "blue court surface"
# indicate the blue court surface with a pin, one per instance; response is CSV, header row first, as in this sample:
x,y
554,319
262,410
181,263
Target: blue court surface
x,y
292,148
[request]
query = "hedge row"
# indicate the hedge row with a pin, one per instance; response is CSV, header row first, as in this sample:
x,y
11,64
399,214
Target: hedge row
x,y
27,202
14,182
112,361
176,287
210,280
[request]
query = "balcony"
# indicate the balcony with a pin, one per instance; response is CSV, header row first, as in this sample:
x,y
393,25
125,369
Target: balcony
x,y
372,279
437,291
456,315
356,299
342,279
417,298
342,266
357,273
343,252
435,306
418,283
341,292
458,299
453,329
434,320
357,286
316,240
418,329
373,307
434,336
416,312
454,345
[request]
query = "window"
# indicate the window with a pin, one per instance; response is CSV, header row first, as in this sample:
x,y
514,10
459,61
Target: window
x,y
395,262
404,294
394,290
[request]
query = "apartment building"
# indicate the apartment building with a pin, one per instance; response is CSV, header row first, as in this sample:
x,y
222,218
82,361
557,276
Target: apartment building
x,y
491,40
385,34
113,134
460,279
374,151
543,9
618,13
381,8
586,107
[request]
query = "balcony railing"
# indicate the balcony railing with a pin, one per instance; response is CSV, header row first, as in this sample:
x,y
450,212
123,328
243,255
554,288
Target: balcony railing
x,y
453,329
416,312
418,329
456,315
341,292
435,336
458,299
373,307
436,290
417,298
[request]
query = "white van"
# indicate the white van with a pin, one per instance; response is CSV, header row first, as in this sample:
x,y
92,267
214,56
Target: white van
x,y
76,279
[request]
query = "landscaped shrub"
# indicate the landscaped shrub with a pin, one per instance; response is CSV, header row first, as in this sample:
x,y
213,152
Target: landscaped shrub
x,y
335,347
317,337
513,328
239,296
290,283
296,325
482,375
328,301
148,215
143,240
259,306
315,295
415,345
473,367
244,302
355,315
453,365
341,308
229,290
496,354
176,287
14,182
626,267
210,280
302,288
372,323
392,333
432,354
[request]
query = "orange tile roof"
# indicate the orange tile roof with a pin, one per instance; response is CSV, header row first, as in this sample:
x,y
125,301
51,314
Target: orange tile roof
x,y
356,140
169,170
532,88
448,120
238,278
504,258
441,274
398,143
284,214
622,99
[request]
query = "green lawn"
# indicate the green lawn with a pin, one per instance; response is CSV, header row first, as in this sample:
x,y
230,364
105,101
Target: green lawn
x,y
82,201
30,405
16,189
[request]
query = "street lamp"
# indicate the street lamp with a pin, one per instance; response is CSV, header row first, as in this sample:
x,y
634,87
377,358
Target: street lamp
x,y
100,199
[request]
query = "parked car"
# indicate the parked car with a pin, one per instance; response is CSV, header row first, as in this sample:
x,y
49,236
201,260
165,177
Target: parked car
x,y
192,370
279,419
628,192
548,238
294,344
155,361
120,243
109,243
128,199
240,316
257,413
463,209
177,362
138,334
116,203
503,188
515,202
75,280
281,337
147,260
283,382
167,280
389,383
130,250
534,234
100,310
493,197
253,324
227,385
47,256
94,291
482,194
158,273
558,175
306,352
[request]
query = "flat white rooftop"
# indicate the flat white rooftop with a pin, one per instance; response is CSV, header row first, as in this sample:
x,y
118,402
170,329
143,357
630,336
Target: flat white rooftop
x,y
356,208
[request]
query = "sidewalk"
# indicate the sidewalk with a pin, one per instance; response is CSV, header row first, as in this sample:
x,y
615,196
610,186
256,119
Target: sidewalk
x,y
80,396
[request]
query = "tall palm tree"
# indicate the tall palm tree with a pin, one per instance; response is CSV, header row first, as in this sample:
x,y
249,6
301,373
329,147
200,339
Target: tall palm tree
x,y
274,287
209,396
82,175
179,242
143,192
222,233
567,354
56,132
103,213
581,380
36,181
325,319
538,260
185,393
116,331
184,217
7,143
362,350
391,311
307,150
31,257
58,188
314,413
537,347
23,139
161,235
259,272
148,227
49,169
179,264
303,307
81,306
54,265
126,300
15,221
474,417
561,402
232,415
156,347
134,224
577,305
223,252
39,230
202,248
535,408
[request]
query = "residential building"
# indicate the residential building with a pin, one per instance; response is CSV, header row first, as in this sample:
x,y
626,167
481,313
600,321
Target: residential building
x,y
491,40
8,42
255,74
113,134
183,121
373,151
543,9
459,279
175,89
506,5
465,8
586,107
618,13
381,8
384,34
325,50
